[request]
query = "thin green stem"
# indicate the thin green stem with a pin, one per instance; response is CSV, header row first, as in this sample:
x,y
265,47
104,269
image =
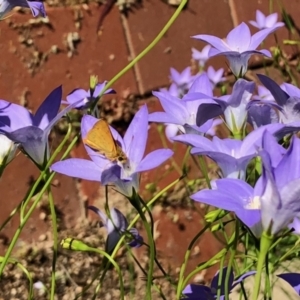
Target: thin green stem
x,y
265,244
36,201
146,50
55,242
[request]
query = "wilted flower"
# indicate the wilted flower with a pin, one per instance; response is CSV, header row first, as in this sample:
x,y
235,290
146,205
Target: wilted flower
x,y
116,225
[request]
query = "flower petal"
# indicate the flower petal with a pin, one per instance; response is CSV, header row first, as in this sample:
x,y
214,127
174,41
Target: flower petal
x,y
154,159
34,142
48,109
136,136
14,116
77,167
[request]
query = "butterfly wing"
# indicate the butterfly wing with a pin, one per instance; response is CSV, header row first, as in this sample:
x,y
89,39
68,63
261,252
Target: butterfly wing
x,y
100,139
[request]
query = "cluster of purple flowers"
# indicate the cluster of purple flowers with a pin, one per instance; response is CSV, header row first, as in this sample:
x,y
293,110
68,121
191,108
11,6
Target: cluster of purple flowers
x,y
191,114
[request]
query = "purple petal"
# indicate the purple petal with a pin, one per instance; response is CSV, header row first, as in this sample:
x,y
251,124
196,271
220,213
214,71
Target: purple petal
x,y
215,286
137,241
33,140
77,167
242,278
154,159
209,110
279,95
213,40
99,88
78,94
162,117
14,116
173,106
201,85
260,18
259,36
37,8
136,136
111,174
197,292
239,38
48,109
289,167
101,215
195,140
293,279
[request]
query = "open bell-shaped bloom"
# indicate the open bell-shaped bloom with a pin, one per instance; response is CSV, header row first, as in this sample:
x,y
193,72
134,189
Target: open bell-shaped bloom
x,y
201,56
280,200
183,80
234,106
238,46
215,76
116,224
31,130
182,112
250,204
124,175
202,292
262,21
231,155
36,7
86,97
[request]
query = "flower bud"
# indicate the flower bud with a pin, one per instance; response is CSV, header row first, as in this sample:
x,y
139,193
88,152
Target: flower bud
x,y
7,150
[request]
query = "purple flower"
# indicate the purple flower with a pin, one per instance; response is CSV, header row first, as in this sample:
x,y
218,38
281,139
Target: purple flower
x,y
293,279
287,103
116,225
237,196
182,80
280,200
31,130
125,176
86,97
263,21
232,156
202,292
214,76
182,112
234,107
251,205
37,8
238,46
201,56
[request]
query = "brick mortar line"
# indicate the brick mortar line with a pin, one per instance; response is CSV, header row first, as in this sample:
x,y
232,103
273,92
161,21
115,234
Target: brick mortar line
x,y
233,13
128,39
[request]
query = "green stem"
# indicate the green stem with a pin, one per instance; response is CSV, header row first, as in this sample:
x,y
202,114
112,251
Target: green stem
x,y
55,243
136,218
146,50
35,203
186,258
265,244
